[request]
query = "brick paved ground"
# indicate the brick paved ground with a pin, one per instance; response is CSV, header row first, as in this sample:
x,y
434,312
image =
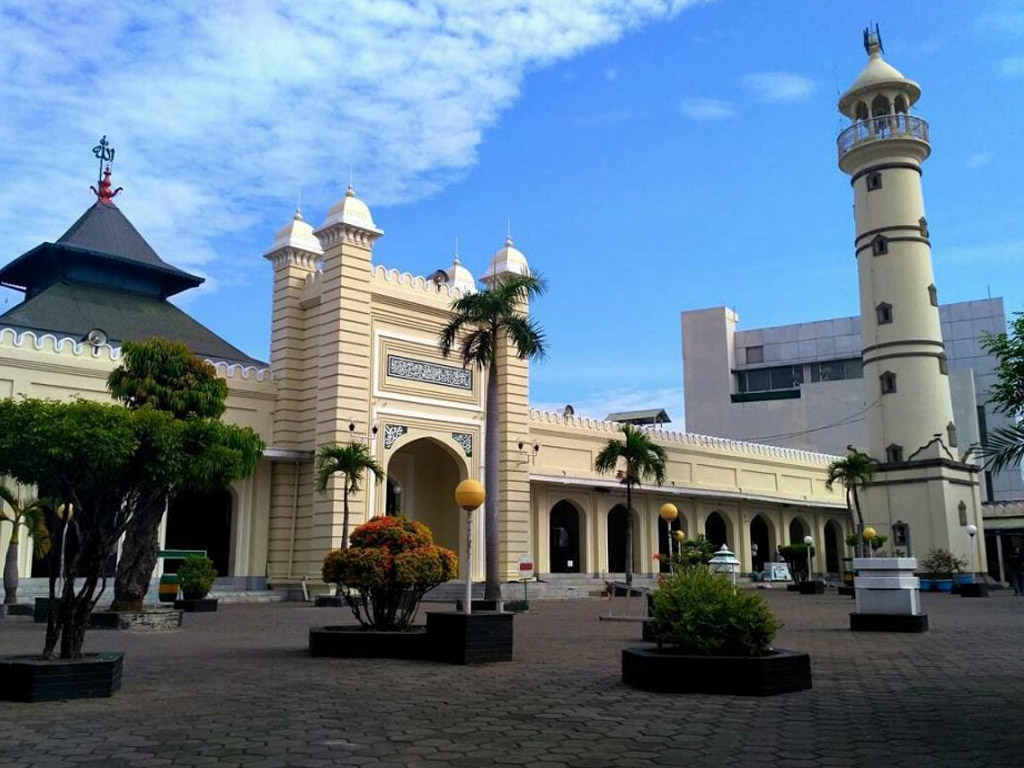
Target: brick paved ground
x,y
237,688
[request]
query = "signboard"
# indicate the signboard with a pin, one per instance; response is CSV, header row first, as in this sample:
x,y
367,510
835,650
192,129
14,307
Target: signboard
x,y
526,567
776,572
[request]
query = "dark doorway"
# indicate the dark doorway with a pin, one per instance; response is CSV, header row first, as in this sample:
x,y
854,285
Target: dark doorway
x,y
715,530
759,536
832,547
393,498
201,521
617,539
796,532
565,538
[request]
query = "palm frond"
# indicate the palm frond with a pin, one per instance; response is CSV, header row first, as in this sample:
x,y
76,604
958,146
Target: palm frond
x,y
526,336
645,459
351,461
1003,448
35,520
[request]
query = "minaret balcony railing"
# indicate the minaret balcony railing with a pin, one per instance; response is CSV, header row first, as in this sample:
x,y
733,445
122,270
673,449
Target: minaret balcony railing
x,y
881,128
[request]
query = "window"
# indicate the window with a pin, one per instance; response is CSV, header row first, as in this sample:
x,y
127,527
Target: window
x,y
768,379
883,313
888,382
933,295
837,370
943,365
951,434
923,224
879,246
874,181
755,355
854,368
961,509
894,454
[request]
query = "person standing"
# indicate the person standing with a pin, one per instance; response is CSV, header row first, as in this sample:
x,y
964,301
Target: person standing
x,y
1016,567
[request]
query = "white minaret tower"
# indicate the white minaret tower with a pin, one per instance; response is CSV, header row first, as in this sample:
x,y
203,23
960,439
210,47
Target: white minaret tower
x,y
922,481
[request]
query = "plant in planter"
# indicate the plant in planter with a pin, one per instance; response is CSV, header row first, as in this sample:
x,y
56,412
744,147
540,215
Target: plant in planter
x,y
195,578
939,565
693,553
795,556
713,638
30,514
390,565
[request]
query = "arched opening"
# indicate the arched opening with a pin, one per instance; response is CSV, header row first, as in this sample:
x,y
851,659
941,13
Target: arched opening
x,y
880,106
201,520
617,540
663,541
564,528
900,104
797,531
393,497
861,112
716,530
760,543
425,472
832,538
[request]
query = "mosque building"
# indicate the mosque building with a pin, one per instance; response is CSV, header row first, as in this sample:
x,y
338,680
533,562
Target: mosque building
x,y
354,357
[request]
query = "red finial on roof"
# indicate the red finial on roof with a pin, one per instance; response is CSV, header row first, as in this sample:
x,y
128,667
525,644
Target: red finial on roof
x,y
105,195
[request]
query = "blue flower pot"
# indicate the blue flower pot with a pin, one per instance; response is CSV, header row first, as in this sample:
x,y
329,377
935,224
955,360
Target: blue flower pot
x,y
943,585
965,578
926,585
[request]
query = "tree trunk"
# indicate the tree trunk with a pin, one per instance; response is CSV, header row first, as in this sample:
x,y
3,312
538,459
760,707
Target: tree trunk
x,y
629,533
492,539
11,567
344,516
860,529
138,557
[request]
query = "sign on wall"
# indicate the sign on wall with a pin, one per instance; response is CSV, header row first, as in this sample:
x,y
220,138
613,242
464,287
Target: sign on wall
x,y
430,373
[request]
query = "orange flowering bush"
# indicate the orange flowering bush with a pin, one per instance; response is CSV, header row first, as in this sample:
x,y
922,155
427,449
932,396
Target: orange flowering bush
x,y
391,564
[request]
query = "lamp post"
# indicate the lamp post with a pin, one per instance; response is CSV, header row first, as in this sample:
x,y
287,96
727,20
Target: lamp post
x,y
868,535
972,530
668,513
469,494
809,541
680,537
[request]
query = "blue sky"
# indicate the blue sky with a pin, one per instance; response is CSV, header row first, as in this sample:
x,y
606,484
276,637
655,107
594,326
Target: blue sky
x,y
653,156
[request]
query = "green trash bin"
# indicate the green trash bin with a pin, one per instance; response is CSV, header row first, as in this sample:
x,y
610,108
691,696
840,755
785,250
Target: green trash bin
x,y
168,588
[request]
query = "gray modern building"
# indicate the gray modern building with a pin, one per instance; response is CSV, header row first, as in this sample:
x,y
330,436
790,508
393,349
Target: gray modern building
x,y
802,386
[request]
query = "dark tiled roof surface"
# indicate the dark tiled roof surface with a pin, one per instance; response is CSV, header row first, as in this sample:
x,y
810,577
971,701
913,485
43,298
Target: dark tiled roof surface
x,y
650,415
73,310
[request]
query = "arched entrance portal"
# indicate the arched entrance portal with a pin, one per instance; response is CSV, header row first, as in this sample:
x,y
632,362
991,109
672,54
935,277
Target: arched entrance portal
x,y
832,538
617,540
422,476
715,530
565,538
201,520
796,531
761,538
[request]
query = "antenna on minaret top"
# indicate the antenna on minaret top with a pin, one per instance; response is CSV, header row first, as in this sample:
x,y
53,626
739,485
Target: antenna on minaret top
x,y
508,233
457,259
873,39
298,205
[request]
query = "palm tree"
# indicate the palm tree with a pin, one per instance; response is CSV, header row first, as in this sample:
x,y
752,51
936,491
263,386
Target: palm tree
x,y
645,460
1003,448
350,461
481,324
30,514
853,471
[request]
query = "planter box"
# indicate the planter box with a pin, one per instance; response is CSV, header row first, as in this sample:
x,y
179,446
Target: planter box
x,y
479,606
24,678
201,605
792,587
329,601
155,619
664,671
847,591
478,638
974,590
812,588
41,609
943,585
355,642
889,622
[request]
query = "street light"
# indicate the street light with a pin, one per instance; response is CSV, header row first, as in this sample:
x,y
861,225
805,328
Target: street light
x,y
869,534
469,494
668,513
810,543
972,529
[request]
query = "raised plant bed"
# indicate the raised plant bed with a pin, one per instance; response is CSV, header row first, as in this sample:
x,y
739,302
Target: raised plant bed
x,y
202,605
889,622
847,591
356,642
812,587
665,671
477,638
25,678
974,590
16,609
154,619
329,601
479,605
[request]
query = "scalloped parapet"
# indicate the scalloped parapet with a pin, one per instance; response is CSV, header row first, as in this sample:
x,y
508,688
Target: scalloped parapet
x,y
418,283
686,438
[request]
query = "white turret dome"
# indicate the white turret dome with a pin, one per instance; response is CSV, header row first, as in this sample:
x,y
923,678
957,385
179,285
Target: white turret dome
x,y
297,234
352,211
460,277
508,259
878,75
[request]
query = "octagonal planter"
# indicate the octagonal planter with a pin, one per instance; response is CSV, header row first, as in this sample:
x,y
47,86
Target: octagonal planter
x,y
479,638
29,678
356,642
198,605
665,671
812,588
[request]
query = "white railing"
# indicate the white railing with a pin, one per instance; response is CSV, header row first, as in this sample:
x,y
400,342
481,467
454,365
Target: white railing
x,y
897,126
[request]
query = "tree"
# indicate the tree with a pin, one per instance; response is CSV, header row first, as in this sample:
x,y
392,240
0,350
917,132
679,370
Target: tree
x,y
481,324
645,460
854,471
103,463
1005,445
165,376
351,461
29,513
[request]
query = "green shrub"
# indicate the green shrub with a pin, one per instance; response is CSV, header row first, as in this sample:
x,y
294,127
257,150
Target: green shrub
x,y
694,552
700,612
942,564
196,576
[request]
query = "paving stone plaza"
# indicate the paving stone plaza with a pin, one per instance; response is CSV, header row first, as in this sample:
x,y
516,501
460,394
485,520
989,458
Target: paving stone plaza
x,y
238,688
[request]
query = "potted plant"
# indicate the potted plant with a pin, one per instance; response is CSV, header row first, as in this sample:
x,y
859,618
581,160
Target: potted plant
x,y
195,578
30,514
796,557
941,564
382,576
713,638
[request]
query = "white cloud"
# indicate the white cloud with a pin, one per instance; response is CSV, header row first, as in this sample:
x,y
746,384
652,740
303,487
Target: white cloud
x,y
220,112
1012,66
597,404
978,160
707,109
779,87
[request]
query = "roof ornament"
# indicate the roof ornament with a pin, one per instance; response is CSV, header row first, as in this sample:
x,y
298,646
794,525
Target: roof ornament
x,y
105,154
873,40
508,235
